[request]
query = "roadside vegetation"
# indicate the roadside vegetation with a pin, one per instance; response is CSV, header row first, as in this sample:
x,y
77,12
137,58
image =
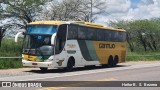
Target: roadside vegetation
x,y
10,49
143,56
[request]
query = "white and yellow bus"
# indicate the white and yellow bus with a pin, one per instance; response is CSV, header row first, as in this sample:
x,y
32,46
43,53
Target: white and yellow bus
x,y
60,44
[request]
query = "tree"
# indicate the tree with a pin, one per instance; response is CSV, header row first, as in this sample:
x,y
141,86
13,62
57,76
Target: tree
x,y
68,10
147,33
2,33
23,11
141,33
94,8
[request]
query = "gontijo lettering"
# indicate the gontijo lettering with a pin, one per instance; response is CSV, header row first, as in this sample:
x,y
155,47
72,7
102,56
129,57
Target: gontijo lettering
x,y
102,45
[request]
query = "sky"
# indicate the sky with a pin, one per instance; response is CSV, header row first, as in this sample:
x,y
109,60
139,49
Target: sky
x,y
130,10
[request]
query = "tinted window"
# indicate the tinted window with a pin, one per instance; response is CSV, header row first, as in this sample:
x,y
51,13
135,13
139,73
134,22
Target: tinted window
x,y
107,35
87,33
122,36
111,35
100,35
115,36
118,36
60,38
72,32
82,33
41,29
92,35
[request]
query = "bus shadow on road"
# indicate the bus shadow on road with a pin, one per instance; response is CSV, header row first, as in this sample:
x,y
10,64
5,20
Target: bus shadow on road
x,y
74,69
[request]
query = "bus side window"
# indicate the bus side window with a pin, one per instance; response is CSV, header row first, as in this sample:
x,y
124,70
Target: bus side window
x,y
91,35
60,38
100,35
107,35
112,38
82,33
116,36
120,37
123,36
72,32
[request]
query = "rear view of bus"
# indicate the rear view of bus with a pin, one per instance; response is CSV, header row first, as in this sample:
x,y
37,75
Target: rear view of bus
x,y
59,44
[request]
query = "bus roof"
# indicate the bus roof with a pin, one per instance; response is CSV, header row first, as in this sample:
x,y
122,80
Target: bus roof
x,y
81,23
46,23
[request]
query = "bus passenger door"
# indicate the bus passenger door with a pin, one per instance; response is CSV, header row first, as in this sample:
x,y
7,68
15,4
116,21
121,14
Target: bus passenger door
x,y
72,44
60,52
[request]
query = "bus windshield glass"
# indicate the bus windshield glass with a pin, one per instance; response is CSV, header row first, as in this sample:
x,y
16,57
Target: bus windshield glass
x,y
37,40
41,29
37,45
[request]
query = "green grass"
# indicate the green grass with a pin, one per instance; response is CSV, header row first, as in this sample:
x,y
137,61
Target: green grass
x,y
10,49
10,63
143,56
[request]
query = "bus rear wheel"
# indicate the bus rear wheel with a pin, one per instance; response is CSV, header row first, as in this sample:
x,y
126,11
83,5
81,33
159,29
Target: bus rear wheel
x,y
110,62
70,64
43,69
116,59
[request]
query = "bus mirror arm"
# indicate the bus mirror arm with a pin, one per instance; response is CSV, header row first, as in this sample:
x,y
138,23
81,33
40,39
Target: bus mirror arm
x,y
53,38
17,35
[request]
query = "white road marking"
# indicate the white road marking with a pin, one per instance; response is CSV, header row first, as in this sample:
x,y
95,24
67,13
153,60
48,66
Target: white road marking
x,y
55,75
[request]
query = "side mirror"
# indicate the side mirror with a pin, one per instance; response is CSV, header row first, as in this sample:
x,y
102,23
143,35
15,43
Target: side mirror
x,y
17,35
53,38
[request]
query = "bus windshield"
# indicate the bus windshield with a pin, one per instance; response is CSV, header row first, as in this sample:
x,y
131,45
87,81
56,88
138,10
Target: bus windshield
x,y
37,40
41,29
38,45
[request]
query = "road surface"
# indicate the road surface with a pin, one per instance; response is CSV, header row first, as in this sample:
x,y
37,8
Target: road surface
x,y
90,78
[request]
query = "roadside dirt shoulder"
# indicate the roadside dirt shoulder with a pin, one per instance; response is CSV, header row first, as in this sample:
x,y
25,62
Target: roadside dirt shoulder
x,y
16,72
28,71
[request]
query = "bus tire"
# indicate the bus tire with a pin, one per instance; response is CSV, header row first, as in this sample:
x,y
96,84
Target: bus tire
x,y
110,62
43,69
116,59
70,64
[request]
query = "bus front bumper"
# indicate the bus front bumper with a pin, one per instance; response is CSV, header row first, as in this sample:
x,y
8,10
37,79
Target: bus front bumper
x,y
37,64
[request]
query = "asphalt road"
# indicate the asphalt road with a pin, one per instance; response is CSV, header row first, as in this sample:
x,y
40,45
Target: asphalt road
x,y
95,78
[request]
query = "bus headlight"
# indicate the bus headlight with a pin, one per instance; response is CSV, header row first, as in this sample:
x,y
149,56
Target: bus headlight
x,y
48,60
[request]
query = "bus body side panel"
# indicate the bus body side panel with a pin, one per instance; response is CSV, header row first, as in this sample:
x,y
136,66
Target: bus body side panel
x,y
106,49
88,52
77,49
71,49
93,51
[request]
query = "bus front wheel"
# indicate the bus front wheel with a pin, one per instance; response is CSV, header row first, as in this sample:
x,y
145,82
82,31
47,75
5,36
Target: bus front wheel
x,y
70,64
43,69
